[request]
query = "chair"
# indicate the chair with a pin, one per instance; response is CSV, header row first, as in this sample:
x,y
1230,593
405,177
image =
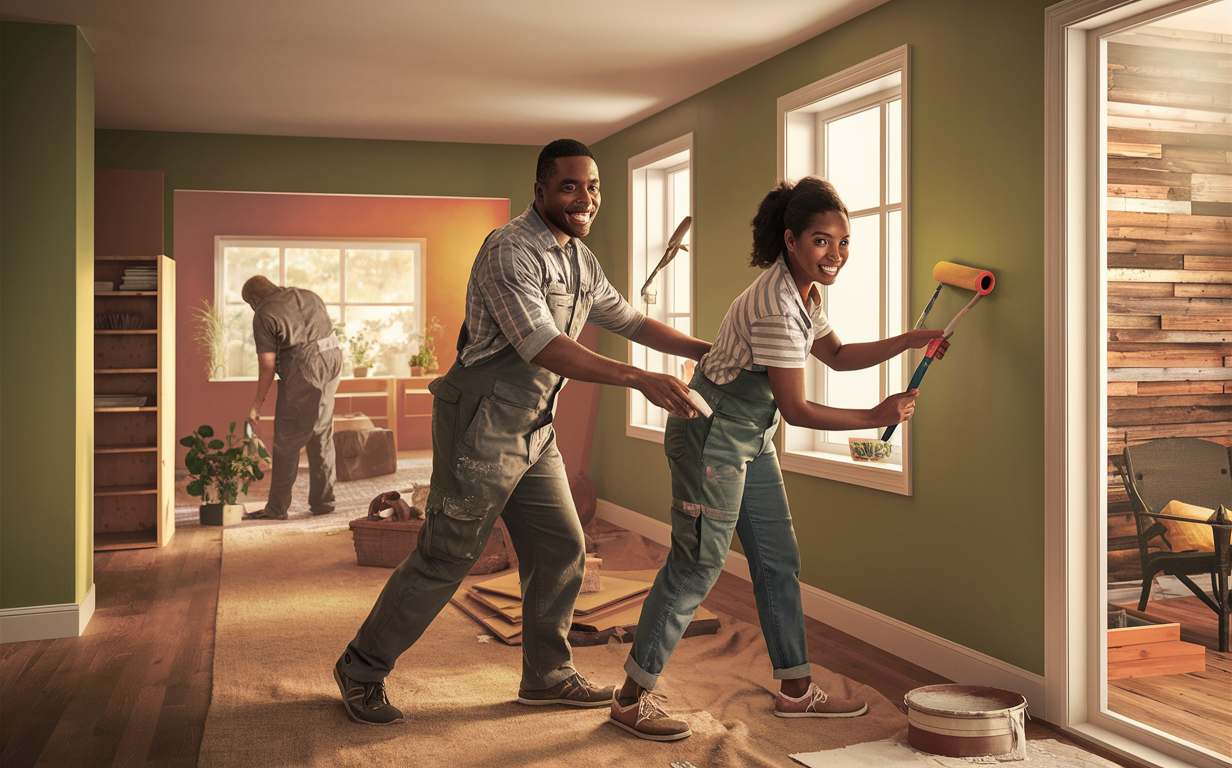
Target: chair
x,y
1195,472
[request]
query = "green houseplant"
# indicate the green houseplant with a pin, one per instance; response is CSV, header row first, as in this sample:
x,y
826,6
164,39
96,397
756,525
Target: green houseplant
x,y
363,355
425,359
222,469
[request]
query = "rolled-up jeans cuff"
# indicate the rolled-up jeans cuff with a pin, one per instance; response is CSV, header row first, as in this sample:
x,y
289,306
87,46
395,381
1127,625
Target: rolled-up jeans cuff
x,y
639,675
803,670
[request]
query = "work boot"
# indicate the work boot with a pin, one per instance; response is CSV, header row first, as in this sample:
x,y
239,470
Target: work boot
x,y
646,719
816,703
576,691
366,703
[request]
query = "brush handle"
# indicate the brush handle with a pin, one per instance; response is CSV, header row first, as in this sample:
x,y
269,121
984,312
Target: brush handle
x,y
916,378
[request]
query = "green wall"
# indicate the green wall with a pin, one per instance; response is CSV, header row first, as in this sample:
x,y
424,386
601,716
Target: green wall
x,y
337,166
963,557
46,310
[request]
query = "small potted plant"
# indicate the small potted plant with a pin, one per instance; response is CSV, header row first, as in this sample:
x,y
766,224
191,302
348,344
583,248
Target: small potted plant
x,y
222,469
363,355
424,361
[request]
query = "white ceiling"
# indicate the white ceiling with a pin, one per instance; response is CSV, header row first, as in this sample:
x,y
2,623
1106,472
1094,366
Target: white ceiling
x,y
521,72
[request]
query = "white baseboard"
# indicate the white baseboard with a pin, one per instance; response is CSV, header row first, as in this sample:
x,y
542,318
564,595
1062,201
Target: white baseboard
x,y
46,622
945,657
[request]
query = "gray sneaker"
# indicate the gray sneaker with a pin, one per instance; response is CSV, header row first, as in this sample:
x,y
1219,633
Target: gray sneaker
x,y
575,691
646,719
366,703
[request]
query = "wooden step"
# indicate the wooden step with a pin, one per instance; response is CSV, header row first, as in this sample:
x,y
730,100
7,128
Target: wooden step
x,y
1151,651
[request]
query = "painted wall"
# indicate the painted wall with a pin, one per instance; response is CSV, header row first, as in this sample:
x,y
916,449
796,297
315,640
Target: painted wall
x,y
46,311
454,229
963,557
198,161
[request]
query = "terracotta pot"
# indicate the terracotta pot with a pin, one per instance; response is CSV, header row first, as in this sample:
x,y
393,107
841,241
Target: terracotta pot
x,y
417,370
359,373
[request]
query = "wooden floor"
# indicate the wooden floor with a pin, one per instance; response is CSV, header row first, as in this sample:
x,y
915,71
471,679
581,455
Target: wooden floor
x,y
1196,707
135,689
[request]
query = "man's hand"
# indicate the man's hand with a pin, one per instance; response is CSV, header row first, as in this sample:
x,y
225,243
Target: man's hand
x,y
254,414
667,392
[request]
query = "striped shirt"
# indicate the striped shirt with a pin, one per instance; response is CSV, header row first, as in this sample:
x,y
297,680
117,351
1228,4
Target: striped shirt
x,y
519,269
767,325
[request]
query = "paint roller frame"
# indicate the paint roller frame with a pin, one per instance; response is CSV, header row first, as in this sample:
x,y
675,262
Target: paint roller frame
x,y
948,273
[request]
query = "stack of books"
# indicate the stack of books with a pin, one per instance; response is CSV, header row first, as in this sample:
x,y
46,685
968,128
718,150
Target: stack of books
x,y
140,279
103,287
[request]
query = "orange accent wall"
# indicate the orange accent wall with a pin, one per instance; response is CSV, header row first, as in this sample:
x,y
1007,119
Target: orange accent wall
x,y
453,227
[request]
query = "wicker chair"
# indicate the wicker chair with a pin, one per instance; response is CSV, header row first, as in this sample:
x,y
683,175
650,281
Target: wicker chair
x,y
1194,472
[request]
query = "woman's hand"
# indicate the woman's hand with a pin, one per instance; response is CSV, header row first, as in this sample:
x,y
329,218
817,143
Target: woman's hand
x,y
895,409
921,338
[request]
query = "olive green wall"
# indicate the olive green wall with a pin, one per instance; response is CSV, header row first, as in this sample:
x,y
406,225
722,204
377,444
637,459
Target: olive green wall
x,y
963,557
46,310
338,166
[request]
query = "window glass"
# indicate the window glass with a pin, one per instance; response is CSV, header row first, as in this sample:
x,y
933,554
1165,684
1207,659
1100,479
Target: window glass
x,y
316,270
853,150
894,152
243,263
380,276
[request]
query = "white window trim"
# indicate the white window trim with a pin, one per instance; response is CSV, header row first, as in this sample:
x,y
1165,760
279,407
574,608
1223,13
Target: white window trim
x,y
637,162
861,80
1075,562
243,241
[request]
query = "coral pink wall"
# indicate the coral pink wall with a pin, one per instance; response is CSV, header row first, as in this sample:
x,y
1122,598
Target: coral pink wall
x,y
454,229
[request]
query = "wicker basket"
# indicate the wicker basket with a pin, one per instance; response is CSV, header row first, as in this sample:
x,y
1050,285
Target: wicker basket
x,y
384,543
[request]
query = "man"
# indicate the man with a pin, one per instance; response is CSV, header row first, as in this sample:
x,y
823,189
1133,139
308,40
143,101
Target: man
x,y
295,336
532,288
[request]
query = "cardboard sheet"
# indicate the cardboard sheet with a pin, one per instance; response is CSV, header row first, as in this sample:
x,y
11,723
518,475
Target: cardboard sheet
x,y
505,630
613,589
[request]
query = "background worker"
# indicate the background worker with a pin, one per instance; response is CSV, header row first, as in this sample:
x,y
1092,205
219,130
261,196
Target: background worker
x,y
295,337
531,289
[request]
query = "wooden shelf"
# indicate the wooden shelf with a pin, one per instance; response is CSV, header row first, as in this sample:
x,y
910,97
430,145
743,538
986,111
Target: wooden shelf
x,y
360,394
125,333
126,258
125,540
142,409
126,370
126,490
125,448
126,293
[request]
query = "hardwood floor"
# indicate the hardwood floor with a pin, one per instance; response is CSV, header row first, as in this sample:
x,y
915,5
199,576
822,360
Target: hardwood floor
x,y
1196,707
135,689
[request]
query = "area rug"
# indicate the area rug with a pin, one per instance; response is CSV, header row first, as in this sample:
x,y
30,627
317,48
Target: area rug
x,y
351,499
1041,753
289,601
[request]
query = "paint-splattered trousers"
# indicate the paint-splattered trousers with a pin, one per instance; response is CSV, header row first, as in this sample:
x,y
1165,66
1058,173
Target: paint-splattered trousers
x,y
304,417
494,451
725,479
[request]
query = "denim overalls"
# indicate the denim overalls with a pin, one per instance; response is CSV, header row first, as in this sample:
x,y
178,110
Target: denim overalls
x,y
725,478
493,452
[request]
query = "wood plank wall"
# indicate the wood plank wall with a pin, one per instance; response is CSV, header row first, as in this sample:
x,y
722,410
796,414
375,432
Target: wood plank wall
x,y
1169,249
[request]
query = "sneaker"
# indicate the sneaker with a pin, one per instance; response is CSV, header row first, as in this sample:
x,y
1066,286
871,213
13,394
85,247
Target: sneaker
x,y
646,719
366,703
576,691
816,703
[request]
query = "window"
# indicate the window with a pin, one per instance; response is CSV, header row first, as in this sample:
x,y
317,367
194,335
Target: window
x,y
851,130
660,197
370,288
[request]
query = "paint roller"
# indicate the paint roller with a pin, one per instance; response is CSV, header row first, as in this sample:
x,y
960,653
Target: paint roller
x,y
675,244
947,273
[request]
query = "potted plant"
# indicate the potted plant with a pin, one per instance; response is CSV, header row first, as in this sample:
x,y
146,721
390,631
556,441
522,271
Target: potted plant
x,y
222,469
363,355
211,338
424,361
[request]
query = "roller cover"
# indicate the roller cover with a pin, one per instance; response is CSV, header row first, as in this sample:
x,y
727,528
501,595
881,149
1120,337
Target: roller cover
x,y
979,280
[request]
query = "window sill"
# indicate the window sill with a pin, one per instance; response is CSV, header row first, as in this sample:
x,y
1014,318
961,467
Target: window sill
x,y
641,432
891,478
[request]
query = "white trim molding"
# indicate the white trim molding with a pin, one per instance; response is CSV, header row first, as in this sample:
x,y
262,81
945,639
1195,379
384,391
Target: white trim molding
x,y
1074,402
46,622
915,645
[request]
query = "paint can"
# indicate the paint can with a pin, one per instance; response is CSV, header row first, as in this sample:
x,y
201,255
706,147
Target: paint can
x,y
966,721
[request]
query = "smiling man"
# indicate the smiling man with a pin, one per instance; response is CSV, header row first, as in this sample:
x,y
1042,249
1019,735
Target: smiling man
x,y
532,288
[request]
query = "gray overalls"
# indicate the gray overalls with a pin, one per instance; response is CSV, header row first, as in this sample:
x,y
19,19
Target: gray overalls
x,y
725,479
493,453
308,376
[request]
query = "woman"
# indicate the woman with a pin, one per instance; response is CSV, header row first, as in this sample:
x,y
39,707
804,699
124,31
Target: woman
x,y
725,472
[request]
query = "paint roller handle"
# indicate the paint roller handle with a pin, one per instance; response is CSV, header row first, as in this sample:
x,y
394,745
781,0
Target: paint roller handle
x,y
916,378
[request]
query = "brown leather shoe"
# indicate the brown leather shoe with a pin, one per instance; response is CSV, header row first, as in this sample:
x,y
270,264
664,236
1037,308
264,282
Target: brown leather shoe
x,y
646,719
816,703
576,691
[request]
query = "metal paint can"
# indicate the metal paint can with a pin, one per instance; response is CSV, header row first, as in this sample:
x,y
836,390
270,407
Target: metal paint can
x,y
966,721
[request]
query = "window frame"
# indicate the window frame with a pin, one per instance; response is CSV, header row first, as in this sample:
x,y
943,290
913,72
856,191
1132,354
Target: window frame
x,y
848,92
418,312
642,259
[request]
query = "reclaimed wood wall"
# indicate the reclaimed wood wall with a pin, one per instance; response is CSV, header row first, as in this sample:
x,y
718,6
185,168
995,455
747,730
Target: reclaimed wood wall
x,y
1169,248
